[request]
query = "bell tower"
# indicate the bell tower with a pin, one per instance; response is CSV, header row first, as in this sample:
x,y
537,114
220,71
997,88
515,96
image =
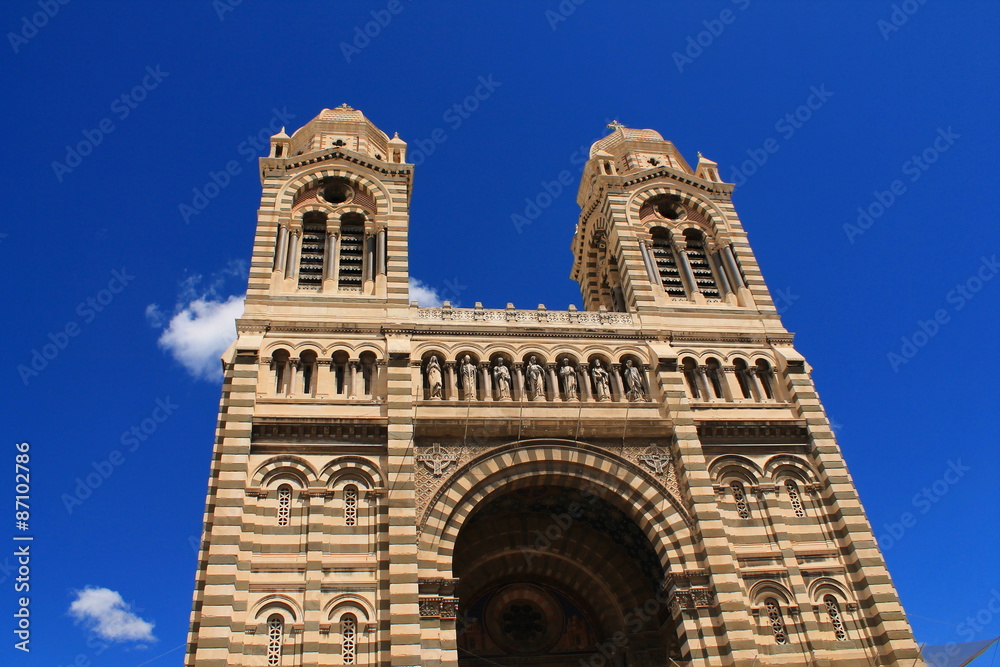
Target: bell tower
x,y
656,248
336,233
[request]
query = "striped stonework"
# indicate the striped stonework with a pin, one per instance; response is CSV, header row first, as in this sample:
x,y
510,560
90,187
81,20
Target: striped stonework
x,y
650,480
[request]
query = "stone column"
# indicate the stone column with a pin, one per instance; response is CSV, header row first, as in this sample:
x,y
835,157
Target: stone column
x,y
716,262
554,383
687,273
517,390
335,261
618,388
381,252
450,391
291,373
279,249
292,266
707,393
486,381
651,268
329,257
583,381
646,381
352,383
736,278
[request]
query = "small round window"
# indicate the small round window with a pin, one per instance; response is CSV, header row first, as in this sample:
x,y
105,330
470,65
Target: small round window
x,y
337,193
670,208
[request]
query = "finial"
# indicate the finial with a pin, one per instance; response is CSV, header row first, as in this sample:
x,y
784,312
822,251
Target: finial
x,y
615,125
346,107
700,156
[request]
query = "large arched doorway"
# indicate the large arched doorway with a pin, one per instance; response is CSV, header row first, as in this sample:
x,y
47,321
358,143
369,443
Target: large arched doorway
x,y
552,575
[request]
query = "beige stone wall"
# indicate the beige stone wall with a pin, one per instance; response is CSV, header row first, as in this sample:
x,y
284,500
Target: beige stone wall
x,y
340,483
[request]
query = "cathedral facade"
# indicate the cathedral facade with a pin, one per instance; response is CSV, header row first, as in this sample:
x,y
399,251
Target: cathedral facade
x,y
648,480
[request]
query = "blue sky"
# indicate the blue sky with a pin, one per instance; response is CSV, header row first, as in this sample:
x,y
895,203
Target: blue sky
x,y
891,112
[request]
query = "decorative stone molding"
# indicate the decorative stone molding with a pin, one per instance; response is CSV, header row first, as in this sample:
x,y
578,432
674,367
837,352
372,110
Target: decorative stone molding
x,y
691,599
320,431
430,607
753,432
437,459
510,314
449,608
429,485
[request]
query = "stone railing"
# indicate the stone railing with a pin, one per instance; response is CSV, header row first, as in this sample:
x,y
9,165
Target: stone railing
x,y
513,315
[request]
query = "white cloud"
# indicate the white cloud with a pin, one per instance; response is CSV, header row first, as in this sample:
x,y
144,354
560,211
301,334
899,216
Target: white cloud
x,y
199,333
203,323
424,294
103,611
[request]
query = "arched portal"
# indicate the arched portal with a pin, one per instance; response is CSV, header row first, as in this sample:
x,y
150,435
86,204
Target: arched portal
x,y
560,551
551,575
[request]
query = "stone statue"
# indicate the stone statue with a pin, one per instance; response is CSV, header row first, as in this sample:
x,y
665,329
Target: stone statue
x,y
600,377
434,377
502,376
633,379
467,371
536,379
568,374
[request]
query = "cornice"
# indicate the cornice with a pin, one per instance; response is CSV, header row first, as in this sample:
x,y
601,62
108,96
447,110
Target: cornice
x,y
287,165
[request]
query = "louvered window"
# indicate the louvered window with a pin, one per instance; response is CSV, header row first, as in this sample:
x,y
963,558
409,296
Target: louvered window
x,y
700,267
666,264
352,253
313,250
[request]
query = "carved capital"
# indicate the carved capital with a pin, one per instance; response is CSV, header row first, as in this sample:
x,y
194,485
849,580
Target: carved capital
x,y
430,607
449,608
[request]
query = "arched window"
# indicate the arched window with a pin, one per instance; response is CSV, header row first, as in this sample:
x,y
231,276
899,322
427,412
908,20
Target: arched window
x,y
666,263
313,249
368,373
740,499
691,375
307,364
794,498
742,378
349,639
833,613
279,364
284,504
341,371
766,378
275,632
701,268
351,506
777,623
714,374
352,252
